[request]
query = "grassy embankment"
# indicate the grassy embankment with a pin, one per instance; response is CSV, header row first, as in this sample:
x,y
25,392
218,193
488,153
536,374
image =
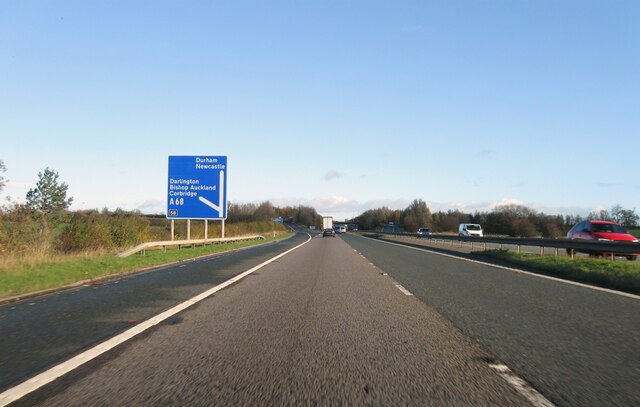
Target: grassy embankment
x,y
25,275
618,275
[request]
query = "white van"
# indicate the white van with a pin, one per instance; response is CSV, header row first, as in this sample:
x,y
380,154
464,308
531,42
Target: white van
x,y
470,229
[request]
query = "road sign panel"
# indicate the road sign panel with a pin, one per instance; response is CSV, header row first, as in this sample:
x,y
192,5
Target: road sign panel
x,y
197,187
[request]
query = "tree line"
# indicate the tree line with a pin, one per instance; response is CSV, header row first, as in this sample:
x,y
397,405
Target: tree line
x,y
509,220
43,224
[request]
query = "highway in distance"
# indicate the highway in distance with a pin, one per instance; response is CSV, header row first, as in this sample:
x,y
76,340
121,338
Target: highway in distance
x,y
348,320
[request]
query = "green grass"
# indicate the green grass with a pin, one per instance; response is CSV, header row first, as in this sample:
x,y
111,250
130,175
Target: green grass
x,y
635,232
619,275
20,277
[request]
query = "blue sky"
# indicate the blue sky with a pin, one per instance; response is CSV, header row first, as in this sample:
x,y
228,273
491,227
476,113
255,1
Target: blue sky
x,y
342,105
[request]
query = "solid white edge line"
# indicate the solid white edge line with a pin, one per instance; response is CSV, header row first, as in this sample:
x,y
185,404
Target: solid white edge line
x,y
559,280
521,386
48,376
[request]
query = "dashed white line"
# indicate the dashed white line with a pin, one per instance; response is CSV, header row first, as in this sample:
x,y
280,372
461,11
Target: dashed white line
x,y
401,288
33,384
521,386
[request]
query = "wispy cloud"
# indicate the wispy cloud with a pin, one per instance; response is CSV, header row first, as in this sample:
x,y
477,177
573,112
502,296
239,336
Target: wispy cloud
x,y
471,207
152,206
606,184
332,174
346,207
506,202
340,204
17,185
413,29
484,153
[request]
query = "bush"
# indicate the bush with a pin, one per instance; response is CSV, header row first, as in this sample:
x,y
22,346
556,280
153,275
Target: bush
x,y
128,229
86,231
24,232
91,230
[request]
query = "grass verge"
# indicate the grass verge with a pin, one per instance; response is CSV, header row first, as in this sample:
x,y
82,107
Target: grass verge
x,y
18,278
617,275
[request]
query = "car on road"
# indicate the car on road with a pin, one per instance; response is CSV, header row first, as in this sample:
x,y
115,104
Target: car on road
x,y
328,232
470,229
423,232
603,231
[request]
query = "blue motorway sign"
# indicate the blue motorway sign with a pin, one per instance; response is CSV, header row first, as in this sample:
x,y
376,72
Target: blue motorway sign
x,y
197,187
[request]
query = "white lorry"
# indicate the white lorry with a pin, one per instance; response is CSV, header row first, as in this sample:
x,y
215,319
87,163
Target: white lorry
x,y
327,222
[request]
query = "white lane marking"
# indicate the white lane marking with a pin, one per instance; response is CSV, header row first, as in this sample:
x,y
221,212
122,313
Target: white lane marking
x,y
521,386
33,384
556,279
401,288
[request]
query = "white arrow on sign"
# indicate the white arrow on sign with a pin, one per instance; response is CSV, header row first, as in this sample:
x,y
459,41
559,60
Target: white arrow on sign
x,y
220,206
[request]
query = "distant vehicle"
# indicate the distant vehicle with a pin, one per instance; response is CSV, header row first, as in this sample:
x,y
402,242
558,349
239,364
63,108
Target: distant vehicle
x,y
340,229
423,232
327,222
328,232
470,229
353,228
603,231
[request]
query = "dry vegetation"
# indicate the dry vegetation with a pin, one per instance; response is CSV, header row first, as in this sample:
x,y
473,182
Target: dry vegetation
x,y
29,237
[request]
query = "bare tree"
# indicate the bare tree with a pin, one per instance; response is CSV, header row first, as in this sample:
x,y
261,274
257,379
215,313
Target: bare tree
x,y
417,215
625,217
3,181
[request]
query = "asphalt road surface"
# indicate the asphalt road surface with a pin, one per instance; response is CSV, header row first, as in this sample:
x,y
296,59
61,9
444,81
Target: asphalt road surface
x,y
39,332
576,345
334,322
318,326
